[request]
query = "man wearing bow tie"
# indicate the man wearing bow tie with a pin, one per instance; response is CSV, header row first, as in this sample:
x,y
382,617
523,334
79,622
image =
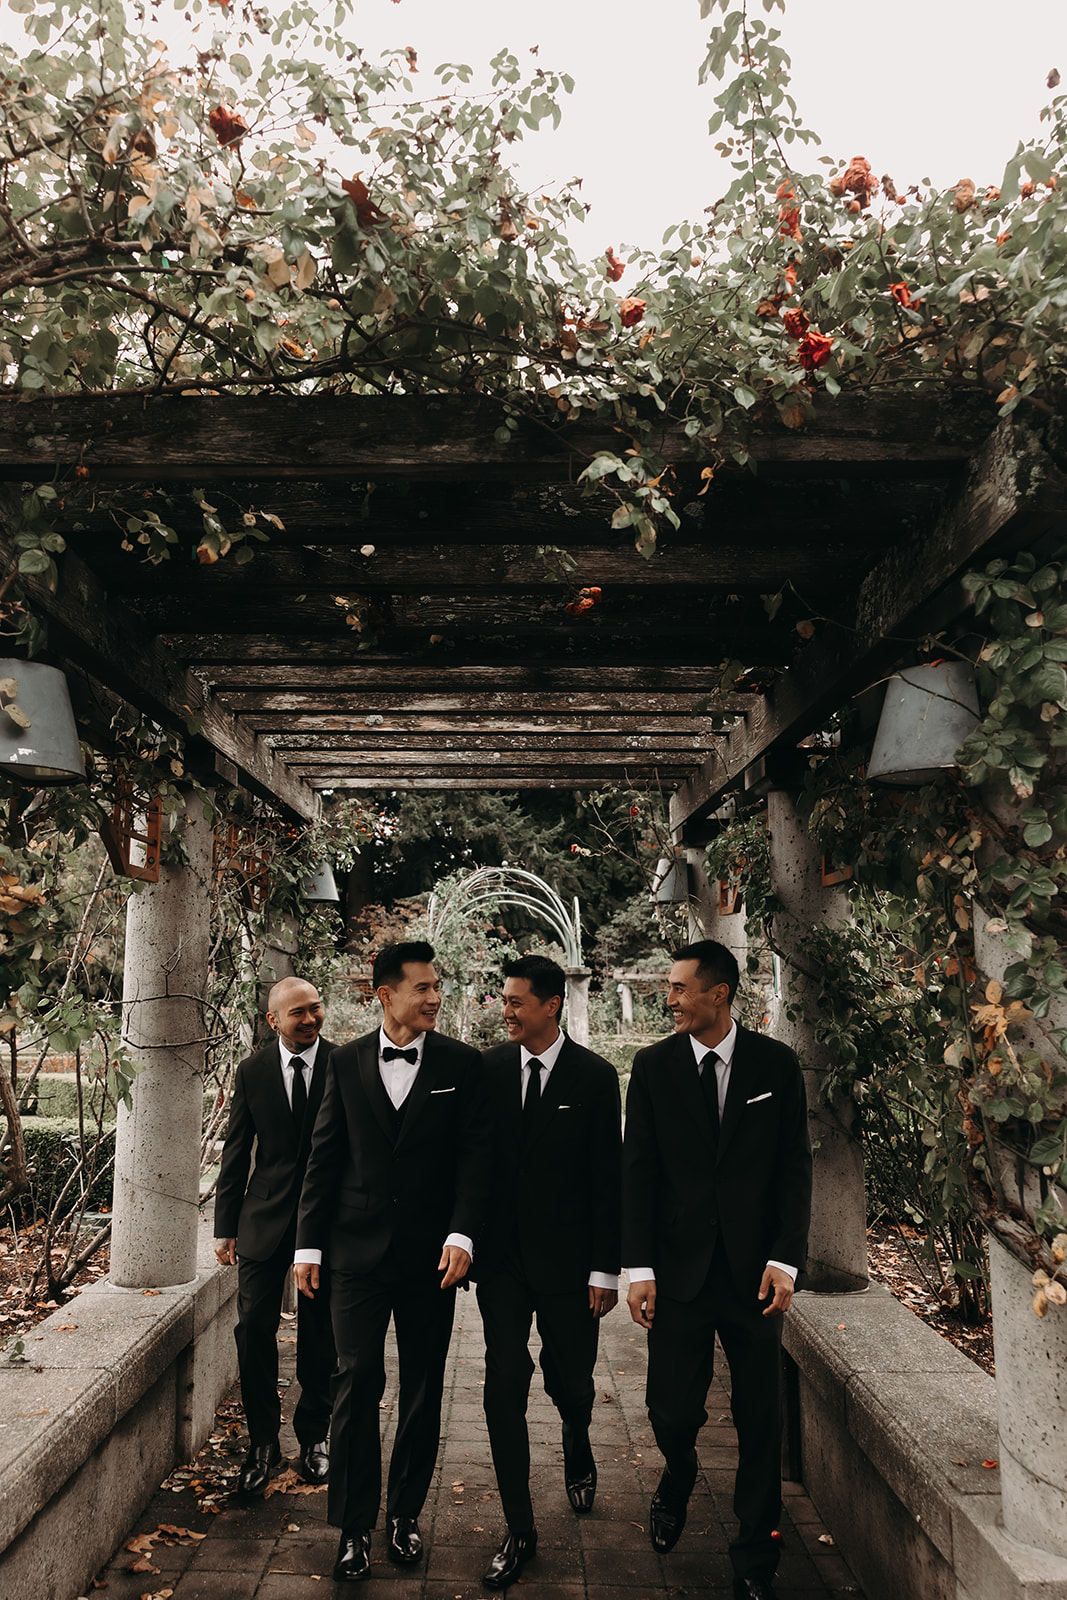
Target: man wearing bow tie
x,y
716,1201
395,1190
276,1096
551,1248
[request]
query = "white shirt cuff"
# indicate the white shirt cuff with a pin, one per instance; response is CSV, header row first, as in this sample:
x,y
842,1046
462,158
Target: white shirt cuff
x,y
310,1257
463,1242
641,1275
604,1280
785,1267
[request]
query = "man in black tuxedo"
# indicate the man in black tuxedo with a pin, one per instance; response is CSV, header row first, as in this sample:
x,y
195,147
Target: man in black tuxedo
x,y
716,1203
276,1097
551,1245
395,1190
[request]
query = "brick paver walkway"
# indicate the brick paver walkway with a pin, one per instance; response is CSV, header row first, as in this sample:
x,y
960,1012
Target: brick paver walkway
x,y
280,1548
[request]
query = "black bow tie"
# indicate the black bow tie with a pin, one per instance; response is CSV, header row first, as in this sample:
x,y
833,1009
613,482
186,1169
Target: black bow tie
x,y
391,1053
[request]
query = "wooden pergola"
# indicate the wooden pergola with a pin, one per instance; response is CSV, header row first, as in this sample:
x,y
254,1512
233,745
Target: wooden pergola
x,y
407,624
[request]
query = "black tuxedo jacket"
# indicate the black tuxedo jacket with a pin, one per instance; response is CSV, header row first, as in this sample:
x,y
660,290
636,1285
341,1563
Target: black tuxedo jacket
x,y
368,1187
556,1189
683,1190
257,1211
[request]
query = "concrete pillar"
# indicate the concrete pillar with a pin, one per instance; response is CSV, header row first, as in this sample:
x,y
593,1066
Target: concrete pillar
x,y
706,920
1031,1356
626,1000
578,1003
157,1160
837,1247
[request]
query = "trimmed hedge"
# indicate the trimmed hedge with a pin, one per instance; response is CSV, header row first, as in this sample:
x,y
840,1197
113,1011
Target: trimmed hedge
x,y
52,1155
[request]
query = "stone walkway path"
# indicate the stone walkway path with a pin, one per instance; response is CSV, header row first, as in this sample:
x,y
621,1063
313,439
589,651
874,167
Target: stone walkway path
x,y
280,1548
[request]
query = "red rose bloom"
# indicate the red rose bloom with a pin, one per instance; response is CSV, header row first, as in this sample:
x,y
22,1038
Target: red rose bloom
x,y
901,293
814,350
227,125
615,268
796,323
631,311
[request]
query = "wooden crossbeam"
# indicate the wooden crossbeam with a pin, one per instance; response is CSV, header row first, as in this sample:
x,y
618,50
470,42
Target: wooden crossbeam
x,y
290,746
392,729
196,437
281,709
1013,494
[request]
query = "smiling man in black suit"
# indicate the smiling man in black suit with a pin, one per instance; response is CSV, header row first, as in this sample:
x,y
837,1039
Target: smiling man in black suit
x,y
551,1245
395,1190
716,1203
276,1097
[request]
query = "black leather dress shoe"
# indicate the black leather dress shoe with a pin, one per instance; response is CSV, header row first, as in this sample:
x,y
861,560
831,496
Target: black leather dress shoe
x,y
517,1549
667,1515
754,1589
315,1462
579,1469
405,1541
353,1557
260,1465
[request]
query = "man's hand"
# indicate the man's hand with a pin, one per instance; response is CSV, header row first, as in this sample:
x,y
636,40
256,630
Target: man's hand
x,y
455,1263
601,1301
306,1274
641,1298
780,1284
226,1252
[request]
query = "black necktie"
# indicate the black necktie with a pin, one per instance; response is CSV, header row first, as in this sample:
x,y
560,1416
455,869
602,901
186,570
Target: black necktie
x,y
300,1092
533,1092
709,1083
392,1053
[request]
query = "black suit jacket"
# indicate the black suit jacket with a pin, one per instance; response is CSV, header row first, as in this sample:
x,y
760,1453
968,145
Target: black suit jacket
x,y
365,1191
682,1190
556,1191
257,1211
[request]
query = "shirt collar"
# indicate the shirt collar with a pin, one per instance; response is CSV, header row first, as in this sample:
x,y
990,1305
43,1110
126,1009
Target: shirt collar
x,y
548,1058
724,1049
384,1040
307,1055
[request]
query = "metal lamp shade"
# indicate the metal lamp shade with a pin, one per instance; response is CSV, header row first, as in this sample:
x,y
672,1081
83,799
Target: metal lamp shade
x,y
322,887
926,715
670,885
48,750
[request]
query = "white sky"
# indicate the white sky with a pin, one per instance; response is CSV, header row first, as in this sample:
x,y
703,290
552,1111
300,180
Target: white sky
x,y
940,91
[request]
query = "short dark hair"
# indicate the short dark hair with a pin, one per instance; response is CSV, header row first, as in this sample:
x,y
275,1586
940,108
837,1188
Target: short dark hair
x,y
546,978
391,960
715,964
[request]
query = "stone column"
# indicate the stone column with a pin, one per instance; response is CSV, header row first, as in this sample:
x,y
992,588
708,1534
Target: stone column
x,y
1031,1354
837,1247
626,1000
578,1003
706,921
157,1160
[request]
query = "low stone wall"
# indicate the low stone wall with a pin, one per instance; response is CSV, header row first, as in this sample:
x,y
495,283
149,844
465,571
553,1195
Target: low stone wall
x,y
119,1386
894,1426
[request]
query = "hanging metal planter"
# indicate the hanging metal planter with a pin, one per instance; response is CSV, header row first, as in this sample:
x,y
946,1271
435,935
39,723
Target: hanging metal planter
x,y
38,735
670,882
322,888
926,715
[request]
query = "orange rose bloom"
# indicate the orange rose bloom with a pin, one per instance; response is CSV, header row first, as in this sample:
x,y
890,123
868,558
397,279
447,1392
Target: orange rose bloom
x,y
631,311
796,323
857,179
901,293
227,125
615,268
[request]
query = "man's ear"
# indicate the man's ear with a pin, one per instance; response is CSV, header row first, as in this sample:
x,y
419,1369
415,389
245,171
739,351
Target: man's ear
x,y
272,1021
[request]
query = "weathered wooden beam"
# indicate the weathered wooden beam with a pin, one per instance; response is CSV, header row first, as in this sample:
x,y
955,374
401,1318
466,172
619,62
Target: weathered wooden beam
x,y
439,677
201,438
1014,492
110,642
391,729
300,708
319,761
435,780
371,741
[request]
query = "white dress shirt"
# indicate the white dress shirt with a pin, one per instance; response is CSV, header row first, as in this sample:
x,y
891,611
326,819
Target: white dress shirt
x,y
289,1071
723,1067
546,1061
398,1077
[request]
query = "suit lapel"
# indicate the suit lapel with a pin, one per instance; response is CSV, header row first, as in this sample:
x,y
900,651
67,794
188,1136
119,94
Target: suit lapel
x,y
425,1079
318,1079
737,1091
278,1112
371,1079
685,1090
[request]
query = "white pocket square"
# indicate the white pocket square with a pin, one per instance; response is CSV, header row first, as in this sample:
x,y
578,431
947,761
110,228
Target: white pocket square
x,y
564,1108
452,1090
757,1097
